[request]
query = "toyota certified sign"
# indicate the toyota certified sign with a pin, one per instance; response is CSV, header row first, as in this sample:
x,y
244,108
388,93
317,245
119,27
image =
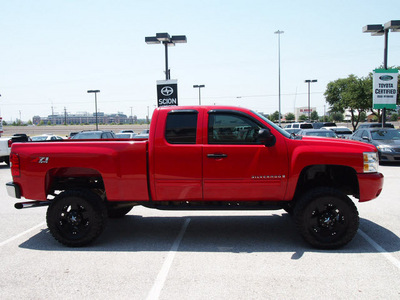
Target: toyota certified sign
x,y
167,92
385,88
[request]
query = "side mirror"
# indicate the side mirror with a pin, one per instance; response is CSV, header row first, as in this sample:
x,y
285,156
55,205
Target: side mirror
x,y
365,138
266,138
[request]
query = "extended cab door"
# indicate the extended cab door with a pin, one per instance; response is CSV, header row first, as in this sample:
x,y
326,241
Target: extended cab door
x,y
236,166
177,160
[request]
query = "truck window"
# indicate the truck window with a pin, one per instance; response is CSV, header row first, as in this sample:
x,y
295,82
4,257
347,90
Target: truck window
x,y
181,127
225,128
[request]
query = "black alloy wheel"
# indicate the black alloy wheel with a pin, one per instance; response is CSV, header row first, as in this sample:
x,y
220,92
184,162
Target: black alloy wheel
x,y
326,218
76,218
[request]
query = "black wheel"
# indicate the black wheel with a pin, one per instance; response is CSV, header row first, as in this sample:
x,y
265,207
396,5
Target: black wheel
x,y
7,161
118,212
326,218
76,218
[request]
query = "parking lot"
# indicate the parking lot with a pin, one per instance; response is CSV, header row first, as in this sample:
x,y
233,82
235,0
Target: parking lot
x,y
153,254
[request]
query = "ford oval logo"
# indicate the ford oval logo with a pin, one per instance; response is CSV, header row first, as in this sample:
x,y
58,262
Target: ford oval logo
x,y
386,77
167,91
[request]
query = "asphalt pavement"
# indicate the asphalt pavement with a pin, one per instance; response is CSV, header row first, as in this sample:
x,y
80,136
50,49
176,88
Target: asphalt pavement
x,y
151,254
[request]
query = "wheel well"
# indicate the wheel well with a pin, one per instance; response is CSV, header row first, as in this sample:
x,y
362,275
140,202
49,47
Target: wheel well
x,y
62,179
342,178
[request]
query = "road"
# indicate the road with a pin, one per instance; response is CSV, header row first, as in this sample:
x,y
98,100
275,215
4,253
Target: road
x,y
153,254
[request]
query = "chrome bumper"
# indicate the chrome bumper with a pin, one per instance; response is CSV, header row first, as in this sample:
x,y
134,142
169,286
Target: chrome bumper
x,y
13,190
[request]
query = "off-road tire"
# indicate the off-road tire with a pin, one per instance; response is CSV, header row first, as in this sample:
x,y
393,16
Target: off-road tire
x,y
76,218
326,218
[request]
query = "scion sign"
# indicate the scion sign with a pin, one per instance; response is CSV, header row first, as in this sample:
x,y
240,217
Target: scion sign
x,y
167,92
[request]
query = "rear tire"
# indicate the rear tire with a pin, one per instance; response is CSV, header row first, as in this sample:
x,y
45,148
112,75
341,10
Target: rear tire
x,y
326,218
76,218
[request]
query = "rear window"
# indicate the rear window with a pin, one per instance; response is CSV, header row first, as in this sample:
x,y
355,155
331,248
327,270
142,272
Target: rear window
x,y
181,127
306,126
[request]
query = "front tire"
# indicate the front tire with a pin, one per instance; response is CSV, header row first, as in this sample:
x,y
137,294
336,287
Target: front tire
x,y
326,218
76,218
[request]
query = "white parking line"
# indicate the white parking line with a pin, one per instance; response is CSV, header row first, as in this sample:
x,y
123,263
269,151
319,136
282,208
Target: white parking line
x,y
378,248
162,275
22,233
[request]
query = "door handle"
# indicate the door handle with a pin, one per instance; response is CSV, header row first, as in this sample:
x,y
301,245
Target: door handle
x,y
217,155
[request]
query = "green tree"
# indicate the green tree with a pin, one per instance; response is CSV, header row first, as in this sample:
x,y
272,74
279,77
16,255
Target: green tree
x,y
351,93
314,116
303,118
275,116
290,117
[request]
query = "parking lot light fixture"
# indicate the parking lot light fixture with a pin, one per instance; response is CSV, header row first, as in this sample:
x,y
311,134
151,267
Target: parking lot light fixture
x,y
168,41
199,87
95,104
309,106
378,30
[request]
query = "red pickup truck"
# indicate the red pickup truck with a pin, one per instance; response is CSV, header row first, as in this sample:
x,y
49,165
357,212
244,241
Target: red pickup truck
x,y
199,157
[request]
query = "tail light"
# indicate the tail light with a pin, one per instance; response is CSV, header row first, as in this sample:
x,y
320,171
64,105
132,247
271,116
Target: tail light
x,y
15,166
10,143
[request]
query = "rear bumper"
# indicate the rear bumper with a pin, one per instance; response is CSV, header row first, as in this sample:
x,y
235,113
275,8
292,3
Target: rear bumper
x,y
13,190
370,185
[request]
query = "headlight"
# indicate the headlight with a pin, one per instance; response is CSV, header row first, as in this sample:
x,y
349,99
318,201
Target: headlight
x,y
371,162
384,148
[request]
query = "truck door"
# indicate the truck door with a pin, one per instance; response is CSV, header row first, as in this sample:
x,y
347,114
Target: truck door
x,y
178,159
236,166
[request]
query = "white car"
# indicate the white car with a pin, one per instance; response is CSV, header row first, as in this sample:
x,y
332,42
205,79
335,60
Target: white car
x,y
46,137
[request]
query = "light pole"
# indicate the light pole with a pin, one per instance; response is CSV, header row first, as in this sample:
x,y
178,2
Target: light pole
x,y
309,107
279,32
95,104
168,41
378,30
199,87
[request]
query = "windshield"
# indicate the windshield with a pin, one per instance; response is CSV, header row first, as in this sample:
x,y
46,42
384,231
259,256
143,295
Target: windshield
x,y
385,134
39,138
281,130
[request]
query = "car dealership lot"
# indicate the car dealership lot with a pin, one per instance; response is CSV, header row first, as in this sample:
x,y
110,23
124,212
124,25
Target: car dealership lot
x,y
153,254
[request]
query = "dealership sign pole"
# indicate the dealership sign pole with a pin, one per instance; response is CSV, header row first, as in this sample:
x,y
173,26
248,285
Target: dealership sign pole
x,y
385,88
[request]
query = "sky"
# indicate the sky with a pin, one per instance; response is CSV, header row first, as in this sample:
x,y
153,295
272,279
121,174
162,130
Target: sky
x,y
53,51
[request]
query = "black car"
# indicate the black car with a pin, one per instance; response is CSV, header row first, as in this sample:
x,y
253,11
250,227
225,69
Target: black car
x,y
94,135
386,140
375,125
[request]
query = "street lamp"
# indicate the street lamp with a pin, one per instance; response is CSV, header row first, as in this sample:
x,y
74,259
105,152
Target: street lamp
x,y
309,108
95,104
199,87
168,41
378,30
279,32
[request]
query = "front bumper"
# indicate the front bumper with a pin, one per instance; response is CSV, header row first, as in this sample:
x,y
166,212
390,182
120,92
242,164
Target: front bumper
x,y
13,190
370,185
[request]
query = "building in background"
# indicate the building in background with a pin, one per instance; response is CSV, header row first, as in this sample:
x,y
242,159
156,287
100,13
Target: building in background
x,y
85,118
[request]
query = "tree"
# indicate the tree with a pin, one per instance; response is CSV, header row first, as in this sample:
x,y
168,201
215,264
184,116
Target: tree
x,y
303,118
351,93
275,116
290,117
314,116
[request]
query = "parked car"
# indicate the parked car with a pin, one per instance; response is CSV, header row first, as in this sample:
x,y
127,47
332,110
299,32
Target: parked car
x,y
374,125
341,131
317,132
71,134
292,130
94,135
125,135
319,125
46,137
386,140
299,125
126,131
